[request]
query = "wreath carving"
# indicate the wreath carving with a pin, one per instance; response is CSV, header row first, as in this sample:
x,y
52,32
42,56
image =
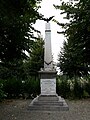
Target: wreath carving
x,y
48,63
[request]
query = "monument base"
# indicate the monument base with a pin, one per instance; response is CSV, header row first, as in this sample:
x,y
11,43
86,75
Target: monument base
x,y
48,103
48,100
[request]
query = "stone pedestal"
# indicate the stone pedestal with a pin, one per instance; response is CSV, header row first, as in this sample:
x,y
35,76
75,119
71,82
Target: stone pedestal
x,y
48,82
48,103
48,100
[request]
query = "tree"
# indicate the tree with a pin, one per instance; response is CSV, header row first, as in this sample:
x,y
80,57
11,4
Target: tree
x,y
16,30
36,59
76,53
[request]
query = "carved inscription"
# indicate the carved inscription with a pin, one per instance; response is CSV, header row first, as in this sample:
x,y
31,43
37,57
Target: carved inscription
x,y
48,86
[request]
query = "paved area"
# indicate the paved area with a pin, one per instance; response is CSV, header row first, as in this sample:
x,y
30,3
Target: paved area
x,y
17,110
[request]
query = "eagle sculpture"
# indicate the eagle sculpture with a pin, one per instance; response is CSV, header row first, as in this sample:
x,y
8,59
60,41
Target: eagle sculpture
x,y
47,19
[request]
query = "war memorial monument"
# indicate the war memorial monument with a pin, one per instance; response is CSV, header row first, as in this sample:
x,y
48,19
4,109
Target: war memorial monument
x,y
48,100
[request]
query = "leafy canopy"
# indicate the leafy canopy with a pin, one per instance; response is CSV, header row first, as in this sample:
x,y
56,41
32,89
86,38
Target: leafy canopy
x,y
16,30
74,59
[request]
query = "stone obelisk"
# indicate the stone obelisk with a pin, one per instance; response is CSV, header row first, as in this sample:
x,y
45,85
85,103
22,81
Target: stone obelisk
x,y
48,75
48,100
48,50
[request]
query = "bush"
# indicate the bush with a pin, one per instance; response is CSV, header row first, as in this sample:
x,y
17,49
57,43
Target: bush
x,y
12,87
15,88
78,89
73,88
31,86
2,94
63,89
87,87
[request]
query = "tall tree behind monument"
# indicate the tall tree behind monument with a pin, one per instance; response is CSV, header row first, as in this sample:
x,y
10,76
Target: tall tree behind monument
x,y
16,19
74,59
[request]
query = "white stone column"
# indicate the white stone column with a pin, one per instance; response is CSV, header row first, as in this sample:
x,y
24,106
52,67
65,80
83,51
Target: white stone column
x,y
48,50
48,75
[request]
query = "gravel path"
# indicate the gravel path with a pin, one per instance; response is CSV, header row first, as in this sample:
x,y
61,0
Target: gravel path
x,y
17,110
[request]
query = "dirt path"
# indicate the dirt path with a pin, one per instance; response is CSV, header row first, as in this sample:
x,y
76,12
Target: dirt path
x,y
17,110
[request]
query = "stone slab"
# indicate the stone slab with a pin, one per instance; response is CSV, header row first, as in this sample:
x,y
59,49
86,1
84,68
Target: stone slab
x,y
48,86
47,74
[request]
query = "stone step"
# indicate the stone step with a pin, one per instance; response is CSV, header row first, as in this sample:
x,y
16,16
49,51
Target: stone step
x,y
48,98
48,108
43,103
47,103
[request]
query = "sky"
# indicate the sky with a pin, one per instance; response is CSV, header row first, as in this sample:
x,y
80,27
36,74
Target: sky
x,y
48,10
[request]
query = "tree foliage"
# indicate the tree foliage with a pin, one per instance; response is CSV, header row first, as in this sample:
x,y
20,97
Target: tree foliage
x,y
74,58
17,38
16,30
36,59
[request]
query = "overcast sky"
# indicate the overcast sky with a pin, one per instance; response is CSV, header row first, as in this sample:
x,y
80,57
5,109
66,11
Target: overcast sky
x,y
48,10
